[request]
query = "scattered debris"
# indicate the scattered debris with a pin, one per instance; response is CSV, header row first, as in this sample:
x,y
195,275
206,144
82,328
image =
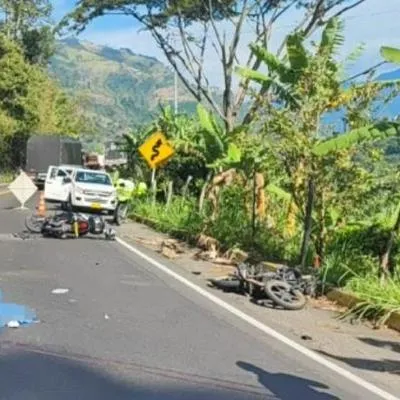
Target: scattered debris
x,y
169,253
60,291
13,324
106,316
14,315
207,243
210,251
148,242
236,256
224,261
196,272
206,255
173,244
170,248
306,337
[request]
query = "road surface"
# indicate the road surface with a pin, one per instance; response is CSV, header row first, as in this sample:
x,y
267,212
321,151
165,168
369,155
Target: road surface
x,y
127,331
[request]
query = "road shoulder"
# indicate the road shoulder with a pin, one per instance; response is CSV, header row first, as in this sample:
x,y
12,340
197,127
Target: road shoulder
x,y
371,354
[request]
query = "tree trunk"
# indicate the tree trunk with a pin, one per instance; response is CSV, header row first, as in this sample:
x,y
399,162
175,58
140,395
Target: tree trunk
x,y
254,207
169,193
307,223
186,187
322,231
203,192
389,246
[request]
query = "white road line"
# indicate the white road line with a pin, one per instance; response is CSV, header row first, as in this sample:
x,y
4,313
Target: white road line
x,y
264,328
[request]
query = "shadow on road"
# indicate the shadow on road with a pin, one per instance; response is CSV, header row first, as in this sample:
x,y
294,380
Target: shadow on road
x,y
288,387
29,375
386,344
389,366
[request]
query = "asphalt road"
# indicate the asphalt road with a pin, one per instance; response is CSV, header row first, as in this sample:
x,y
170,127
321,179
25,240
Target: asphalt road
x,y
127,331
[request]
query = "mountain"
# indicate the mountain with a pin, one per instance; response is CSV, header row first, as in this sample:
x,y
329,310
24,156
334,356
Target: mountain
x,y
117,89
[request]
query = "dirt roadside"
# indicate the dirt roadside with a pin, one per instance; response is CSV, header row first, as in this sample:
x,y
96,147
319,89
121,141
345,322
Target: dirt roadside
x,y
372,354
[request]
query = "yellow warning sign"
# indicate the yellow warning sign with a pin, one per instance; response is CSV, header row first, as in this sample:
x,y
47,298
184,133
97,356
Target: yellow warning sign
x,y
156,150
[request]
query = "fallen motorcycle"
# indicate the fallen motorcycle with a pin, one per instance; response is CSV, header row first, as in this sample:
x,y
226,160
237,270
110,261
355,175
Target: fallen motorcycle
x,y
286,287
69,224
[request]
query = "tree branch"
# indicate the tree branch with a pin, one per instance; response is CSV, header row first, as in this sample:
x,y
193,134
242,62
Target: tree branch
x,y
365,72
263,35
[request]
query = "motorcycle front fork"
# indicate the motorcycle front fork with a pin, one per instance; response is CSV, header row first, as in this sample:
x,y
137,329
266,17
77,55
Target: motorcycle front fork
x,y
76,227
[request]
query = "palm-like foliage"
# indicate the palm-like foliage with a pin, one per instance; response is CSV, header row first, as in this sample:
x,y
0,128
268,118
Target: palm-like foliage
x,y
391,54
284,75
304,85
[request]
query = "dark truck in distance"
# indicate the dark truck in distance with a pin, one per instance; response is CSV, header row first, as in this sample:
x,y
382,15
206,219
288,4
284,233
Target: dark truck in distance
x,y
44,150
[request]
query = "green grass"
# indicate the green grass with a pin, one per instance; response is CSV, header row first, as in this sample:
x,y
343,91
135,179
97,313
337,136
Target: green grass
x,y
346,265
232,226
6,177
378,300
180,215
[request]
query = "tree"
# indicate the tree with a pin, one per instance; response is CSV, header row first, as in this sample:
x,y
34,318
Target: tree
x,y
322,174
29,103
191,31
27,23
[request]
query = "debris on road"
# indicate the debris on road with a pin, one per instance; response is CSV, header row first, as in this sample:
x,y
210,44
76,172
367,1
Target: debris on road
x,y
154,243
13,324
170,248
59,291
106,316
14,315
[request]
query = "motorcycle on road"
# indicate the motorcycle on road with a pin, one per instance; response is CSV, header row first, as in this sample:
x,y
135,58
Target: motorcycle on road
x,y
69,224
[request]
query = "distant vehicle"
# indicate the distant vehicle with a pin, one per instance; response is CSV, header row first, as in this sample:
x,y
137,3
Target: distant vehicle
x,y
81,188
43,151
113,156
93,161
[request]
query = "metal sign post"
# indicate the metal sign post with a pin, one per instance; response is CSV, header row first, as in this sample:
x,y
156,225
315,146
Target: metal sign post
x,y
23,189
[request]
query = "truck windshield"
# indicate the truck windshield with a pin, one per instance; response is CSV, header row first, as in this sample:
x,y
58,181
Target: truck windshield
x,y
93,177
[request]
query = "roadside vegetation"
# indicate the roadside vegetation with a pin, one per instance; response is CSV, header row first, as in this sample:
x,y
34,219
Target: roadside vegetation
x,y
30,101
263,169
287,186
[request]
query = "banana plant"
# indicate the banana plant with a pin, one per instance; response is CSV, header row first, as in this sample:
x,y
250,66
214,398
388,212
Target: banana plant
x,y
390,54
219,149
370,133
283,74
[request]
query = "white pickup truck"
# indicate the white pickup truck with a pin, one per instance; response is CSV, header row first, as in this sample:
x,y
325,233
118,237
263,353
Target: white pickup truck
x,y
80,188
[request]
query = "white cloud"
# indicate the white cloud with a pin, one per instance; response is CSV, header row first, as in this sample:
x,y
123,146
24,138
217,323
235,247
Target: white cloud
x,y
374,23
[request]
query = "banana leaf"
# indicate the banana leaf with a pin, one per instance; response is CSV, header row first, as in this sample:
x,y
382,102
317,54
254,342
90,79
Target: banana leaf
x,y
344,141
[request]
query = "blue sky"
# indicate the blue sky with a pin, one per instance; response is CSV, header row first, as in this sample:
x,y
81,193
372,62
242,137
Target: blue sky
x,y
374,23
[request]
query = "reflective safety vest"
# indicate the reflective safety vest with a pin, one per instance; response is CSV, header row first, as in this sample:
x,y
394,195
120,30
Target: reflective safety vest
x,y
125,189
141,189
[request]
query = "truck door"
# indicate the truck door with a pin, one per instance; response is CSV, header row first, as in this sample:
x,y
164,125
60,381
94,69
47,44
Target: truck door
x,y
55,188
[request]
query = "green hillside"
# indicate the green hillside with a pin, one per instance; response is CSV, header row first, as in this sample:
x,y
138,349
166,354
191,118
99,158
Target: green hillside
x,y
117,89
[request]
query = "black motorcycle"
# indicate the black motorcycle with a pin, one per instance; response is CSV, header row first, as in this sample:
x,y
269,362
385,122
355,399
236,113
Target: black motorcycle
x,y
69,224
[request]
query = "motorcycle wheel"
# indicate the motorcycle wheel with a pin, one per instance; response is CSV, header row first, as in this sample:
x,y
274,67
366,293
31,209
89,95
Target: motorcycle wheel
x,y
121,212
282,294
34,223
